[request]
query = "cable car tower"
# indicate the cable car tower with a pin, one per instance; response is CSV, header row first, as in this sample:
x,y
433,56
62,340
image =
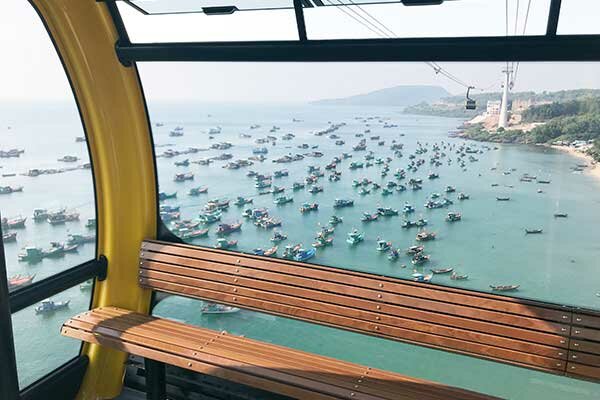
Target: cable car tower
x,y
503,119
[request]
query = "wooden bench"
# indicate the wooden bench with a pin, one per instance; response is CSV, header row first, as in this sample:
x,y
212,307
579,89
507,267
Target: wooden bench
x,y
501,328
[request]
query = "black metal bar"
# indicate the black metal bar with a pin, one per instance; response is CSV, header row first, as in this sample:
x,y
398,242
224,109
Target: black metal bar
x,y
553,16
123,39
29,295
9,384
156,384
62,383
511,48
300,20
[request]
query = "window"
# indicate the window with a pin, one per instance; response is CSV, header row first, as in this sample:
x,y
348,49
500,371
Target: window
x,y
47,199
509,206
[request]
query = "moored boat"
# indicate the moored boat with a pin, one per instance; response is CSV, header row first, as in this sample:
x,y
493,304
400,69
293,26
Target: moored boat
x,y
425,236
504,288
457,277
226,229
453,216
305,254
383,245
419,277
18,281
442,270
48,306
307,207
355,237
533,231
209,307
224,244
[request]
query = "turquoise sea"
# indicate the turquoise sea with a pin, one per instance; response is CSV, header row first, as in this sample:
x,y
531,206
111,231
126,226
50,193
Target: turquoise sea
x,y
489,244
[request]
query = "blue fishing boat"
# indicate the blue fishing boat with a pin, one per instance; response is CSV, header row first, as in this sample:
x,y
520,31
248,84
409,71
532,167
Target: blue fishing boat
x,y
305,254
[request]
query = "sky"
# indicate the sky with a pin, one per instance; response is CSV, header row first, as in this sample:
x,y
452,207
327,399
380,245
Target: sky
x,y
31,69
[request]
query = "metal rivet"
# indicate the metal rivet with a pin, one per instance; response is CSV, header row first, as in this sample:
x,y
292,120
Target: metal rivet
x,y
379,296
376,328
195,353
378,307
573,367
563,329
235,289
560,353
562,342
235,280
235,299
189,364
352,394
381,285
238,261
574,357
565,317
237,270
356,386
577,331
377,318
575,344
360,381
578,319
558,364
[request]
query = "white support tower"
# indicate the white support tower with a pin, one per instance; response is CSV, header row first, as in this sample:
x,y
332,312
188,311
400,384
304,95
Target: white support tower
x,y
503,118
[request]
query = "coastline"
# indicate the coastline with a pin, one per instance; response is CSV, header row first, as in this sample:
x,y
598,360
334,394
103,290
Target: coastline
x,y
593,169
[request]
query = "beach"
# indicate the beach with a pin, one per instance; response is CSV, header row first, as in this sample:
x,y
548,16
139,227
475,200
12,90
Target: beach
x,y
592,168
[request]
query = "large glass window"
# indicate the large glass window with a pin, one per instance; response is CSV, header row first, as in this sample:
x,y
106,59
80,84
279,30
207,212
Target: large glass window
x,y
355,165
46,189
389,152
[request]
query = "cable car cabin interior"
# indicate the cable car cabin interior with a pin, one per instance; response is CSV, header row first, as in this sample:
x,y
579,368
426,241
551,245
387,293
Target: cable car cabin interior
x,y
300,199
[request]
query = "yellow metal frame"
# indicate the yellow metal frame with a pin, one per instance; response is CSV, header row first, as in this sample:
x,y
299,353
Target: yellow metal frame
x,y
113,109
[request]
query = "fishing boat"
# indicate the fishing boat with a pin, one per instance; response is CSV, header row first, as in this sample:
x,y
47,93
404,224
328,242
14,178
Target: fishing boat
x,y
188,234
433,175
187,176
315,189
504,288
407,209
48,306
420,258
356,165
14,223
307,207
368,217
387,192
165,196
298,186
208,307
364,191
450,189
216,204
425,236
68,158
502,198
9,237
224,244
168,208
463,196
323,241
387,211
334,220
457,277
341,203
281,173
75,238
283,200
18,281
241,201
305,254
440,271
31,254
209,217
533,231
10,189
57,249
183,163
278,237
383,245
268,222
453,216
62,216
291,250
355,237
394,254
419,277
40,214
561,215
226,229
408,224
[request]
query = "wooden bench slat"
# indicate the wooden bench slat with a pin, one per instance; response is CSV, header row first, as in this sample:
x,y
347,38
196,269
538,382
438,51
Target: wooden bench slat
x,y
382,321
432,340
151,249
135,329
366,298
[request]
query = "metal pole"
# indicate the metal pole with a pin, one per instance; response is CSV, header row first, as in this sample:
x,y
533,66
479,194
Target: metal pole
x,y
503,119
9,384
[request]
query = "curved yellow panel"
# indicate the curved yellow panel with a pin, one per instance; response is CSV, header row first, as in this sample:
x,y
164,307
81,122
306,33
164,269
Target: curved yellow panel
x,y
113,110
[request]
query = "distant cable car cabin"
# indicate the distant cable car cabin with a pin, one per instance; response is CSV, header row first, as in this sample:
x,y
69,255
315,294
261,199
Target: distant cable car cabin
x,y
470,104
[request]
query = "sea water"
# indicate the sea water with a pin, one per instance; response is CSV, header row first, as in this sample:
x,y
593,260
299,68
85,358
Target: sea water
x,y
489,244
